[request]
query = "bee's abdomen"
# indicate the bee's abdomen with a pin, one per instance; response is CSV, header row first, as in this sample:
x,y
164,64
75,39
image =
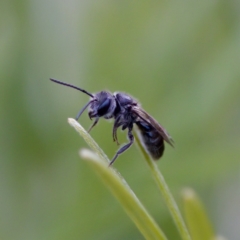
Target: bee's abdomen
x,y
151,139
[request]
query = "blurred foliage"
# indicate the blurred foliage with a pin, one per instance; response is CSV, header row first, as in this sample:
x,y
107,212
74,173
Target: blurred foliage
x,y
197,220
180,59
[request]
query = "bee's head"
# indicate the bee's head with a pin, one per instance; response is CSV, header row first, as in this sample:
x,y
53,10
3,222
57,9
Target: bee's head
x,y
102,105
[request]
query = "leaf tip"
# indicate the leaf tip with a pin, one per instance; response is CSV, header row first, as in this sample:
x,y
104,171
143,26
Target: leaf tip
x,y
71,121
188,194
87,154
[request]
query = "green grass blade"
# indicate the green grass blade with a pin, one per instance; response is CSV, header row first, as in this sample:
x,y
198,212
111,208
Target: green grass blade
x,y
118,186
196,217
162,185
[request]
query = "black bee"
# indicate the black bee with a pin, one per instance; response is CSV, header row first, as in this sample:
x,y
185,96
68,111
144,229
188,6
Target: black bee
x,y
126,111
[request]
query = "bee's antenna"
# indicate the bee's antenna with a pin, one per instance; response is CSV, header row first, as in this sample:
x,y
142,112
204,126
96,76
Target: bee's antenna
x,y
72,86
83,109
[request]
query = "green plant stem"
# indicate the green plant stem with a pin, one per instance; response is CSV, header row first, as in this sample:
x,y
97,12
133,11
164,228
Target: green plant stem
x,y
118,186
170,202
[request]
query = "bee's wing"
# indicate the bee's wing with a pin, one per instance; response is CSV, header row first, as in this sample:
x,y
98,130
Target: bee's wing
x,y
151,121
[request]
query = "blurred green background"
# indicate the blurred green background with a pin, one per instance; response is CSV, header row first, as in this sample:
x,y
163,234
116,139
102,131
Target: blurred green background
x,y
179,59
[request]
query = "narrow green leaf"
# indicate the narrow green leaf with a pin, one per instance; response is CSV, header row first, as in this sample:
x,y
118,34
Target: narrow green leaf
x,y
118,186
197,220
163,187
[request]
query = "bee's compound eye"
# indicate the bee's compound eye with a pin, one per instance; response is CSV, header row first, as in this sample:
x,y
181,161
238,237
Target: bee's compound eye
x,y
104,106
